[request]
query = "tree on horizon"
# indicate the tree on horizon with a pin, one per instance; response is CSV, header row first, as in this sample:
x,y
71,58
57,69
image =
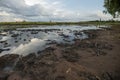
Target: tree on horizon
x,y
112,7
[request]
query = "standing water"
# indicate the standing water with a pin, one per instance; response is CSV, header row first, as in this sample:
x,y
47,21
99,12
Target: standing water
x,y
24,41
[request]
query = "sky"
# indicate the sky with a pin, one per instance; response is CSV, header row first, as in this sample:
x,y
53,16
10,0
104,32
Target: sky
x,y
52,10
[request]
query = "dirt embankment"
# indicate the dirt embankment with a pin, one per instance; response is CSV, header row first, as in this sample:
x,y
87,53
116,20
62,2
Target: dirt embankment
x,y
95,58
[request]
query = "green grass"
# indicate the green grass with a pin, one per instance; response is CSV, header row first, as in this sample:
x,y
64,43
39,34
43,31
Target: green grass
x,y
60,23
37,23
14,25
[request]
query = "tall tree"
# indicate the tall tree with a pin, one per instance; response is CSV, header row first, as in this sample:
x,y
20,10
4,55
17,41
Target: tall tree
x,y
112,7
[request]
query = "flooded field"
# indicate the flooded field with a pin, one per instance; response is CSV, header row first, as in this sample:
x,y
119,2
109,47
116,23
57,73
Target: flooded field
x,y
24,41
60,53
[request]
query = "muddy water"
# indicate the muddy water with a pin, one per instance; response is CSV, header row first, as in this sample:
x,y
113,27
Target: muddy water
x,y
24,41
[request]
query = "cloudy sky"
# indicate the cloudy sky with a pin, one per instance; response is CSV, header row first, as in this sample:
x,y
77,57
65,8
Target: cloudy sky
x,y
54,10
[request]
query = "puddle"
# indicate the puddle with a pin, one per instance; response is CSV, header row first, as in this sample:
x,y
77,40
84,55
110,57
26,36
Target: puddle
x,y
24,41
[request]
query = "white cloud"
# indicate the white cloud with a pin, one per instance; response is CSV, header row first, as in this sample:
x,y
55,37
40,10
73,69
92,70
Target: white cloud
x,y
32,2
3,13
40,9
101,15
43,10
9,19
18,19
26,49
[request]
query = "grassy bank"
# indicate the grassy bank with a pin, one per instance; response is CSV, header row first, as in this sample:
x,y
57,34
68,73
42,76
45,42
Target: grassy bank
x,y
14,25
61,23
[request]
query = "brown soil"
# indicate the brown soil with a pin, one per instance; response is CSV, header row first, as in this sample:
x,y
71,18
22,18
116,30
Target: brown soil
x,y
96,58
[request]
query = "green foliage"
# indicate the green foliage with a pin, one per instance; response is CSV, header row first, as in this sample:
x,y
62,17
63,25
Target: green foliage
x,y
14,25
112,7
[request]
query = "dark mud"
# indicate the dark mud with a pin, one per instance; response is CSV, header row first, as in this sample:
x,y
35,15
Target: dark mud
x,y
95,58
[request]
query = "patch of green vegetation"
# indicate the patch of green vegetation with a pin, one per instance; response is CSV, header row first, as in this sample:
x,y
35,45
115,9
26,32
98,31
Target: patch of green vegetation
x,y
37,23
14,25
97,22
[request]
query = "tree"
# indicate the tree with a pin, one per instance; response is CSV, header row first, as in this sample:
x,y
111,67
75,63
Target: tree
x,y
112,7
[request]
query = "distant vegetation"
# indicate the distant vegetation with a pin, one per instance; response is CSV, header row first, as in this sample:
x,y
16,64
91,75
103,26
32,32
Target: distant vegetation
x,y
61,23
36,23
14,25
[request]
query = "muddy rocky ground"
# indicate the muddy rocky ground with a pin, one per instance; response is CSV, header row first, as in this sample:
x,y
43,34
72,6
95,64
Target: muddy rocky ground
x,y
95,58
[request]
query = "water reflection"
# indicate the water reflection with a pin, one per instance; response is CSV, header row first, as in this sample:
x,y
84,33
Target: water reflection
x,y
24,41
